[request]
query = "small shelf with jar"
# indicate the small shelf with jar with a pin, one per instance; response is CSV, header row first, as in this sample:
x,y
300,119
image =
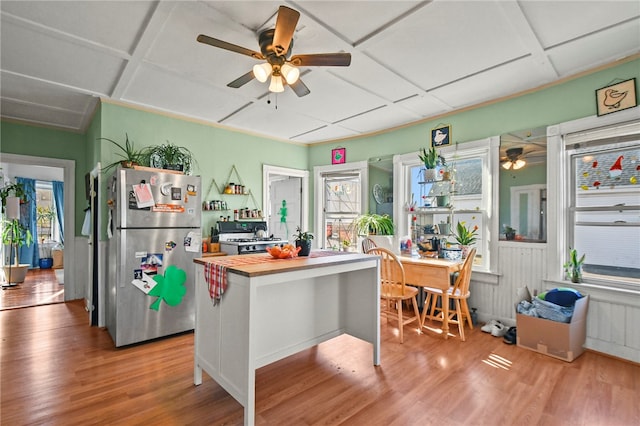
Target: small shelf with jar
x,y
233,187
215,206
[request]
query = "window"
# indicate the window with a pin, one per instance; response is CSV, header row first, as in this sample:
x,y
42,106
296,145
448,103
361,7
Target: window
x,y
603,200
342,204
447,202
339,200
466,197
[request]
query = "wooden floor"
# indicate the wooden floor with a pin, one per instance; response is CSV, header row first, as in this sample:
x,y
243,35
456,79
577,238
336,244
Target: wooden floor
x,y
57,370
39,288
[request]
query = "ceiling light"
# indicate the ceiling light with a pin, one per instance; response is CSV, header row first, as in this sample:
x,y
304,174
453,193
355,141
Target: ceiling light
x,y
519,164
276,84
262,71
507,165
290,73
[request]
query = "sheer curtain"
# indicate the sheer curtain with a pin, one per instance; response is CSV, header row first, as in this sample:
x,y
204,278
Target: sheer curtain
x,y
29,254
58,199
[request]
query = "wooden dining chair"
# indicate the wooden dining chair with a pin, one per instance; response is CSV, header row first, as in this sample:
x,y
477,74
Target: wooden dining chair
x,y
367,244
459,293
393,290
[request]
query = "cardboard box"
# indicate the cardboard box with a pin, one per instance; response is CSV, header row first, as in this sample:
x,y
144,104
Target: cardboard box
x,y
560,340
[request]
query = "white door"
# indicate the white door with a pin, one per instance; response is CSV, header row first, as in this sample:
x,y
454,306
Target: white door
x,y
285,207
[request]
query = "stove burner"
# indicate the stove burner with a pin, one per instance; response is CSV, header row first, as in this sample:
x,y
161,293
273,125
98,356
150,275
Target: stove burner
x,y
252,240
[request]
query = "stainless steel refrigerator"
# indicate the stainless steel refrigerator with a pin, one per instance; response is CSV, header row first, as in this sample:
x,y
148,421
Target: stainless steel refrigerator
x,y
154,226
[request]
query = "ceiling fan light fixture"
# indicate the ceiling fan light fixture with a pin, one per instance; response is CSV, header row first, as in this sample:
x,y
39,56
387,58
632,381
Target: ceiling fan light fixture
x,y
290,73
262,71
519,164
276,85
507,165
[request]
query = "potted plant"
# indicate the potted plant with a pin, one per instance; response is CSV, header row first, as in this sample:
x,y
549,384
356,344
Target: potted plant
x,y
465,236
303,240
380,228
130,156
509,232
15,235
171,157
431,159
46,259
573,267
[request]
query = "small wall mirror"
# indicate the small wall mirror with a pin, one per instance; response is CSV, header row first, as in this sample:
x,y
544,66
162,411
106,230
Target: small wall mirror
x,y
523,185
381,185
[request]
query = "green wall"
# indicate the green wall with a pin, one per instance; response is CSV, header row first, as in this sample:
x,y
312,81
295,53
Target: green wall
x,y
43,142
217,149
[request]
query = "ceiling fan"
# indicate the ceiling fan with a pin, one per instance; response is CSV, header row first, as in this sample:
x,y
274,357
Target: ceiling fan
x,y
513,159
275,48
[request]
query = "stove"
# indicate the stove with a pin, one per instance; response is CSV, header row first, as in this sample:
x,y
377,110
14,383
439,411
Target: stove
x,y
240,237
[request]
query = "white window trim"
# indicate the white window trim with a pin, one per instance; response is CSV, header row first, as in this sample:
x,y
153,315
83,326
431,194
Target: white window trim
x,y
558,170
357,166
489,149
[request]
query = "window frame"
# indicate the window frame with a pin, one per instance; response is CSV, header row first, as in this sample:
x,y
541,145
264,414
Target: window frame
x,y
560,191
319,172
488,150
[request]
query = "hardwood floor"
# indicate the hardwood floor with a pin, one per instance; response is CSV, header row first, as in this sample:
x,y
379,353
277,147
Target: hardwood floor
x,y
57,370
39,288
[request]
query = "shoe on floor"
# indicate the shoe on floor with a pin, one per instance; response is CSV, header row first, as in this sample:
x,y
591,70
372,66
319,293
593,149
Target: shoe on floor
x,y
510,336
499,330
489,326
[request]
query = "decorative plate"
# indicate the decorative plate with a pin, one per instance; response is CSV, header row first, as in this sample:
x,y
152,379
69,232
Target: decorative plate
x,y
378,194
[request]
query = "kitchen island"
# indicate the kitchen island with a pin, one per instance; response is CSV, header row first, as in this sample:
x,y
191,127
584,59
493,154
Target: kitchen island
x,y
273,308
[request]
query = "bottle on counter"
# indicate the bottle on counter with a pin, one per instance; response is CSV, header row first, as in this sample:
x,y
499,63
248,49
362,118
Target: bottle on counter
x,y
236,215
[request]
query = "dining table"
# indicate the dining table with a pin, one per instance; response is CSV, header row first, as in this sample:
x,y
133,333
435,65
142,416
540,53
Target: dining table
x,y
431,272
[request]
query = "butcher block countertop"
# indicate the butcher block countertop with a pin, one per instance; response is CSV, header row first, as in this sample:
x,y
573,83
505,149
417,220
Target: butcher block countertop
x,y
253,265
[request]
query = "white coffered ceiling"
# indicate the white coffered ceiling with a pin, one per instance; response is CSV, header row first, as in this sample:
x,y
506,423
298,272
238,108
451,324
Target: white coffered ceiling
x,y
410,59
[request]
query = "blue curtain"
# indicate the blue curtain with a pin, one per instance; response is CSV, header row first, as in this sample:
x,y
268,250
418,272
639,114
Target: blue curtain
x,y
29,254
58,199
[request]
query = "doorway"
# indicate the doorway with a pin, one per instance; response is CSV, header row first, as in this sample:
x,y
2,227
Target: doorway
x,y
285,200
15,165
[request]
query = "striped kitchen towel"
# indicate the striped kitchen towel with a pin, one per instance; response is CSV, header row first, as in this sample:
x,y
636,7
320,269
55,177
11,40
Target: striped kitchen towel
x,y
216,276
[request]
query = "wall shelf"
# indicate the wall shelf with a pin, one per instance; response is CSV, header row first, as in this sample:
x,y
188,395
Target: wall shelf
x,y
223,192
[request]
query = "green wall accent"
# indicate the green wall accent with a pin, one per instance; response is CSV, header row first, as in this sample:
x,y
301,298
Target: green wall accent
x,y
216,149
35,141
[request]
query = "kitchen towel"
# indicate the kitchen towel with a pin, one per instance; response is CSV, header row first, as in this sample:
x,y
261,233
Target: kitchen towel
x,y
215,275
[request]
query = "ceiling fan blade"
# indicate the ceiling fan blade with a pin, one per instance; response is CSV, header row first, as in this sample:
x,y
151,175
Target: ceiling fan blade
x,y
322,59
229,46
300,88
242,80
285,27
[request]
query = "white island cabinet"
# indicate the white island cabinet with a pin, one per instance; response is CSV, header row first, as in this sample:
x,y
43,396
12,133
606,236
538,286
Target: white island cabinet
x,y
274,308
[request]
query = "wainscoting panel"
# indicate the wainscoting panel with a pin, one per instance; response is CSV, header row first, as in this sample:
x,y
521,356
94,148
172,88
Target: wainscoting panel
x,y
613,317
519,265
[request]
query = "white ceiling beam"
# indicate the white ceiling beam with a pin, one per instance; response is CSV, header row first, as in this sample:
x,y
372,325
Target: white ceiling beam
x,y
148,36
518,20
